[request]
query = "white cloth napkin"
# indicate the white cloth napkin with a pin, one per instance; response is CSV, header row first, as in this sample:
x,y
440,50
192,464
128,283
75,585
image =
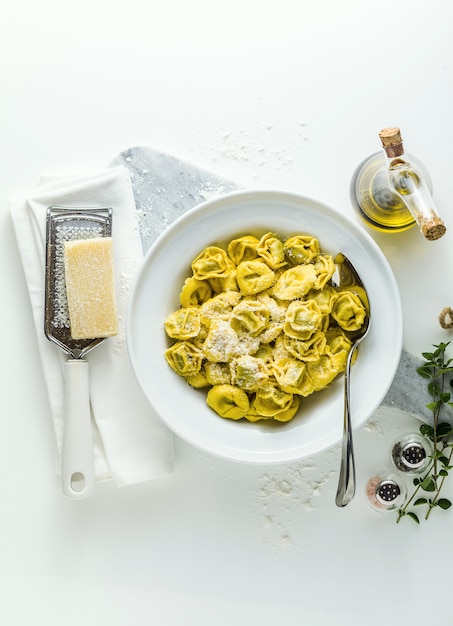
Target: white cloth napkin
x,y
131,443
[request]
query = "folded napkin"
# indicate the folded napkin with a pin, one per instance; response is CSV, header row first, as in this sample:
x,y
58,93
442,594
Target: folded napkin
x,y
131,443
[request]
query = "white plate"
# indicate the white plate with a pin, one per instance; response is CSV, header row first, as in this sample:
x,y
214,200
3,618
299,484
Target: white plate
x,y
155,294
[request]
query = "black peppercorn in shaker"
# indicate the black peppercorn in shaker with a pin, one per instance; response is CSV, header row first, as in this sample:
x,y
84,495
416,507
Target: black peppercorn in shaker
x,y
411,453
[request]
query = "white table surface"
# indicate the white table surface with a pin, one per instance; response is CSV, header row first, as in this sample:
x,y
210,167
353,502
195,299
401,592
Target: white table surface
x,y
285,95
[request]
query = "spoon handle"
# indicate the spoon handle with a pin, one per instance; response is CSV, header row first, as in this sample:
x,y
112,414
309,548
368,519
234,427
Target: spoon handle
x,y
346,481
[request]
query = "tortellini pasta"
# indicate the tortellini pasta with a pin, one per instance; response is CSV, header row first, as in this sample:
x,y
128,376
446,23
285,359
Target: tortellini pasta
x,y
302,320
184,358
212,262
348,311
243,249
295,282
228,401
253,277
183,324
261,327
194,292
271,249
301,249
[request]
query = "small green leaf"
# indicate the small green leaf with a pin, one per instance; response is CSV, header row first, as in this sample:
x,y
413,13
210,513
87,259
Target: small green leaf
x,y
424,371
443,503
413,516
443,472
444,429
432,406
434,389
420,501
428,484
427,431
443,370
441,347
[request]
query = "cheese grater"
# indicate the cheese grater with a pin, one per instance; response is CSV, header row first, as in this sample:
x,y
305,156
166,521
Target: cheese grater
x,y
62,225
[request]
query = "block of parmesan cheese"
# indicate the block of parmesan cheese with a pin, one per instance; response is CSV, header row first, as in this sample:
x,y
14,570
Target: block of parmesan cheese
x,y
90,288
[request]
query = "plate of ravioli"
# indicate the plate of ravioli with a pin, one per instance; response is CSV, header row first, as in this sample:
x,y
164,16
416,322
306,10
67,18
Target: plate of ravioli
x,y
238,337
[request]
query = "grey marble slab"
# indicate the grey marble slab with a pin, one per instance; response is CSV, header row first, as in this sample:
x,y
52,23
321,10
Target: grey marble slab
x,y
165,187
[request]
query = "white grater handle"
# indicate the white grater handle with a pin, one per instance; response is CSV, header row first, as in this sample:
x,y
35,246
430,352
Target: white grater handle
x,y
77,464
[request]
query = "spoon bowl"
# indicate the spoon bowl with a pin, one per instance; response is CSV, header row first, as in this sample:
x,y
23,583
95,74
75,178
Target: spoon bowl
x,y
347,277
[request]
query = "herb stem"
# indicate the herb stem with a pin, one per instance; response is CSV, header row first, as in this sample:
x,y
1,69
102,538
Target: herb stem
x,y
408,502
433,502
435,370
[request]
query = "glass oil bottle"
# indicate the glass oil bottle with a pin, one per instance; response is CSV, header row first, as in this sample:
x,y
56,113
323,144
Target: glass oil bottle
x,y
392,190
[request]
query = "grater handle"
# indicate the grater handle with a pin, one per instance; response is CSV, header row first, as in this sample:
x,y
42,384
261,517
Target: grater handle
x,y
77,465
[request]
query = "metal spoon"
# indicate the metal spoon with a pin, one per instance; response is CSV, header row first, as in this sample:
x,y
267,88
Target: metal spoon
x,y
346,277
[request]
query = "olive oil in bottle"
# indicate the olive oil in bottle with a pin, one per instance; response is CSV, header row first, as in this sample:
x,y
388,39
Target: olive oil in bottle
x,y
392,190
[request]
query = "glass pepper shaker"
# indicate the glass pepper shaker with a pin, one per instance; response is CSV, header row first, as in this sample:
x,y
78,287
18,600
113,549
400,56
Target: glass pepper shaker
x,y
385,491
411,453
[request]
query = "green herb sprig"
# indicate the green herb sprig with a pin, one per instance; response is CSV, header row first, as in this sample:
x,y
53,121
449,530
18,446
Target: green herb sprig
x,y
437,369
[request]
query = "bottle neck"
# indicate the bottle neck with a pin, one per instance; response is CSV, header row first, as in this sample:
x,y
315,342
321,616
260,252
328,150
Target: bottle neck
x,y
395,151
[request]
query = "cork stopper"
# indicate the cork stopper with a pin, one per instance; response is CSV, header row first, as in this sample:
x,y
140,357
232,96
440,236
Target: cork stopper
x,y
392,141
390,137
432,228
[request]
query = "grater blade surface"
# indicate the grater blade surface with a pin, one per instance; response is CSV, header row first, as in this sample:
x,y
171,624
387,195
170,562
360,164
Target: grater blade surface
x,y
68,224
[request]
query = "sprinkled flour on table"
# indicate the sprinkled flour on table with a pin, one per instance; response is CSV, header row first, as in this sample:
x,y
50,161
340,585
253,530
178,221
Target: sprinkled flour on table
x,y
291,489
255,145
